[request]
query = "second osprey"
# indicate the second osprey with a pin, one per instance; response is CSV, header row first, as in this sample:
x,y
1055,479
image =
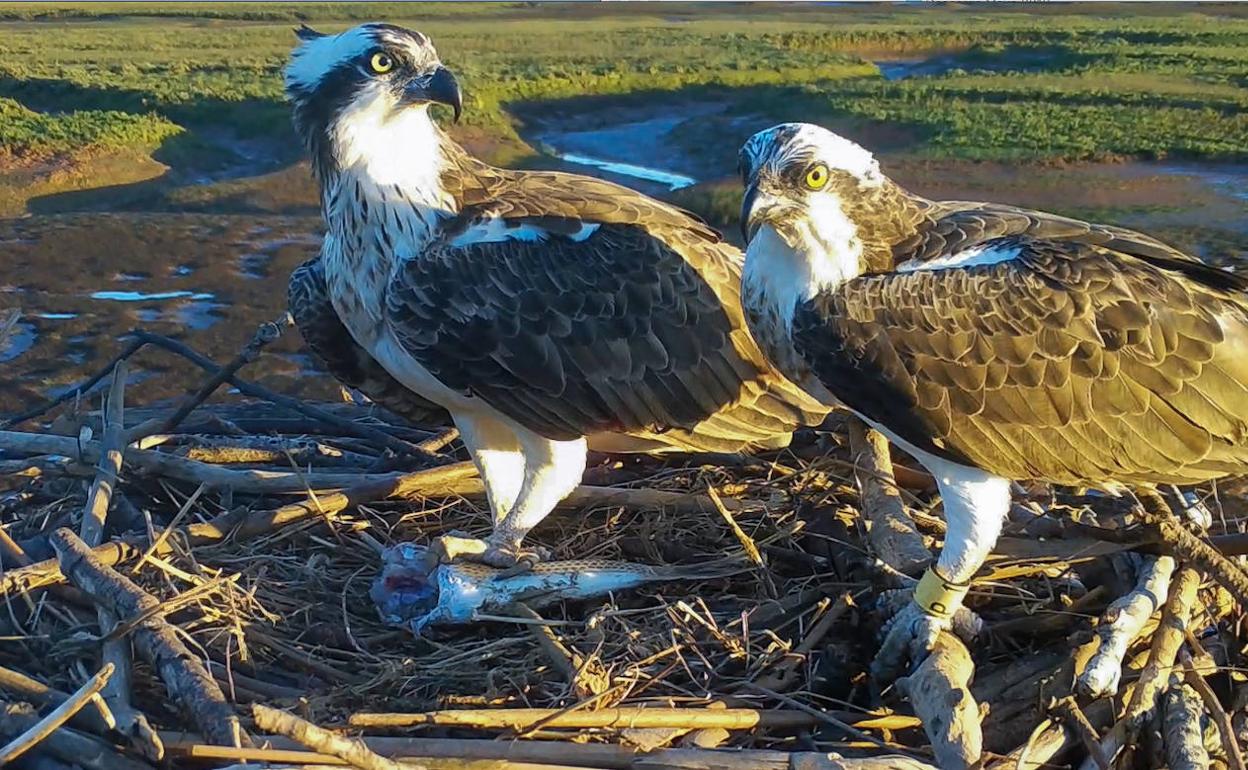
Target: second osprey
x,y
541,309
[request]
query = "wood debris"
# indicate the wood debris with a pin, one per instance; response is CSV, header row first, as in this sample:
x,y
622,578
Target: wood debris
x,y
225,549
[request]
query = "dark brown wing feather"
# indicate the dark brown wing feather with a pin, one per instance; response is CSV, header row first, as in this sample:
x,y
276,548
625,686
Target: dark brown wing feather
x,y
1096,355
637,328
308,298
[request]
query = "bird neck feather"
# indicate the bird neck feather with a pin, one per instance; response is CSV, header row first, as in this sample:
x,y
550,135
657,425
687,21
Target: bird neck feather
x,y
383,197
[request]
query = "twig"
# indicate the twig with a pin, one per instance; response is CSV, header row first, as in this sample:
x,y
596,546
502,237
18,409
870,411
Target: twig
x,y
256,391
820,715
1067,709
163,464
747,544
1175,618
892,534
185,677
57,717
939,691
265,334
570,664
607,756
112,448
323,741
1122,624
1181,733
245,524
640,717
1226,732
67,745
77,391
116,652
1169,531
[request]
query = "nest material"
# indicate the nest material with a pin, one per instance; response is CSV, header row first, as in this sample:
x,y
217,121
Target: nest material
x,y
274,607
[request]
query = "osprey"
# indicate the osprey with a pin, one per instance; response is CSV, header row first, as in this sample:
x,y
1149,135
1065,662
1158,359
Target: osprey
x,y
542,310
990,342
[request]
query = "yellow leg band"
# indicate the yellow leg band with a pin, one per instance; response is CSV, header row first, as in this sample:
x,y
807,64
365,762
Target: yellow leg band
x,y
937,596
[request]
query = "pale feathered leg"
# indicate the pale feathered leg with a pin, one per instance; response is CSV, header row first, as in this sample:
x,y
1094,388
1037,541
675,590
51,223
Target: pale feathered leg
x,y
496,451
975,504
552,470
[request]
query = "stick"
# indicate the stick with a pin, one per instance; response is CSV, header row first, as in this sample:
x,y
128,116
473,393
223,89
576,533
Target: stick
x,y
185,678
55,718
244,525
1168,530
1167,638
116,652
939,691
1067,709
451,480
1122,624
606,756
257,391
570,664
111,449
1180,728
892,534
747,544
1234,754
265,334
639,717
318,739
164,464
70,746
75,392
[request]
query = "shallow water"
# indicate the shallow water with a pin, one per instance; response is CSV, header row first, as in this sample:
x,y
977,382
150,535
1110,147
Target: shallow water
x,y
83,281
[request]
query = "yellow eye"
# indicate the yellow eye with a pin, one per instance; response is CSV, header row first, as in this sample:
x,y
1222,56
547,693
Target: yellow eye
x,y
381,63
817,177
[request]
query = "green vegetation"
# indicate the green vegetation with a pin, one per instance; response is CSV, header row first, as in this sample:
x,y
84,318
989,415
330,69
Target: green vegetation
x,y
1018,82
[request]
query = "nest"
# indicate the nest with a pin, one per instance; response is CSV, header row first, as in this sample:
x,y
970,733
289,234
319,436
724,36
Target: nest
x,y
240,542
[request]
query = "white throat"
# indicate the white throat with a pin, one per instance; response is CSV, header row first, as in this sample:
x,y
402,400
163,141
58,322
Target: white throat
x,y
778,275
382,204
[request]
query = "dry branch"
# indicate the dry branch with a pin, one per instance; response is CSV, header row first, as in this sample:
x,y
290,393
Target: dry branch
x,y
72,747
185,677
1122,624
612,718
116,652
1175,619
256,391
605,756
939,691
58,716
323,741
265,334
243,525
1226,731
892,533
1181,711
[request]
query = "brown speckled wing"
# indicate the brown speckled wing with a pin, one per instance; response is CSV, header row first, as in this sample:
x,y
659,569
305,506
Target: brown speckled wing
x,y
308,298
636,328
1095,355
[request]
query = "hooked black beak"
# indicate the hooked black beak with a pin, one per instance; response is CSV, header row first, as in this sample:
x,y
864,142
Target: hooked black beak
x,y
747,207
439,87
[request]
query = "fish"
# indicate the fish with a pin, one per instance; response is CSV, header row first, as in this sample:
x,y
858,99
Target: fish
x,y
408,593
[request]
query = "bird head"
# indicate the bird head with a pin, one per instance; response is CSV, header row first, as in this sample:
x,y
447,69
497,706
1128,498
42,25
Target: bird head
x,y
801,179
368,75
810,196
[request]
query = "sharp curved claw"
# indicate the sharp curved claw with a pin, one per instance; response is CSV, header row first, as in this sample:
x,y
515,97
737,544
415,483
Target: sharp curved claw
x,y
908,639
513,559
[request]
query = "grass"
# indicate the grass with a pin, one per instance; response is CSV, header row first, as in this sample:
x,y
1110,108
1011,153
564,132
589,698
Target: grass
x,y
1027,82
